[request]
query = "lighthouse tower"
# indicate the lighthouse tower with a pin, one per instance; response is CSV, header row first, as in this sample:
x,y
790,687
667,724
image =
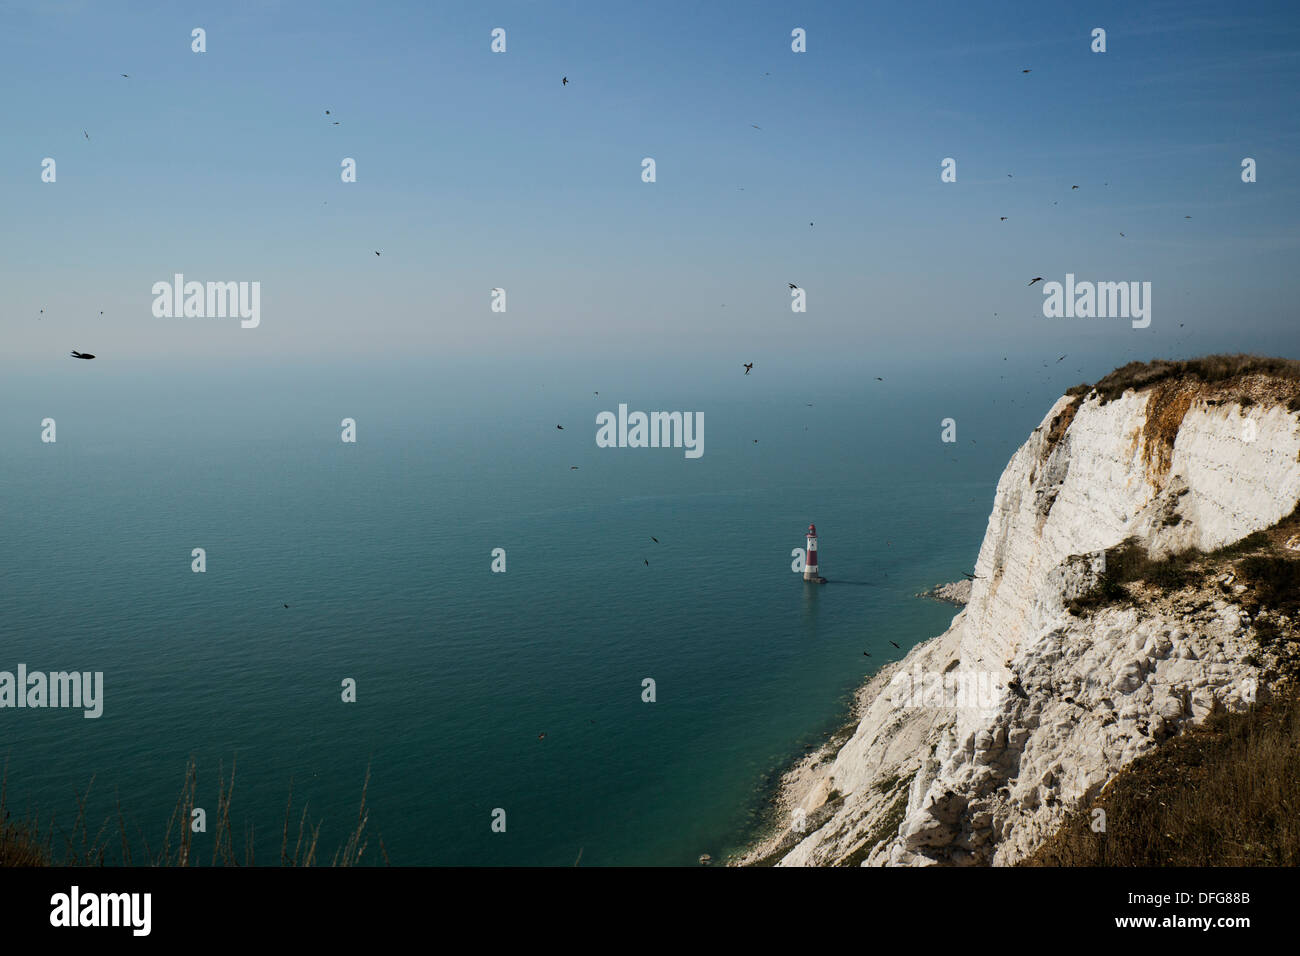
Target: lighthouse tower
x,y
810,563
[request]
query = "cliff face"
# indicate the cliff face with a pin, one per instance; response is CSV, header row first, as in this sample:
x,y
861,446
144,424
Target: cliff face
x,y
973,748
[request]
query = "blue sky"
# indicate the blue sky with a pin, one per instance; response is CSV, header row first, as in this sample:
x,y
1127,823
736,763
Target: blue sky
x,y
478,170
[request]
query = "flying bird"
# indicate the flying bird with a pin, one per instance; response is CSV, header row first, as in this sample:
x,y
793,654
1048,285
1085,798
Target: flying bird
x,y
755,127
286,605
573,468
654,539
865,654
1074,187
1062,358
1035,279
879,379
542,735
647,563
1024,71
560,427
127,75
376,253
1002,218
85,134
564,81
891,642
792,285
81,355
748,366
1121,235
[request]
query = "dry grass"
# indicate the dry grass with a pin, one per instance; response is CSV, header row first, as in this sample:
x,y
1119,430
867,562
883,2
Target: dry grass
x,y
1209,369
25,842
1224,794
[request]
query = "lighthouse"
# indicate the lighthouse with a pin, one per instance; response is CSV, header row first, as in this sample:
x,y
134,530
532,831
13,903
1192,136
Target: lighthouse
x,y
810,563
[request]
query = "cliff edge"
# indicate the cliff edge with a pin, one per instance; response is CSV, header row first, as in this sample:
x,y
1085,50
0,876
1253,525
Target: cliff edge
x,y
1126,588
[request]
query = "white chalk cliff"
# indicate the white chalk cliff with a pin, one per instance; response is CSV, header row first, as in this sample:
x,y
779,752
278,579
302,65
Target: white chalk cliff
x,y
935,778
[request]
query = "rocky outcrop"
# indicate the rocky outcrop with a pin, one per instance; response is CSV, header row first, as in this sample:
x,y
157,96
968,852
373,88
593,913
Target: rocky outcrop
x,y
973,748
958,592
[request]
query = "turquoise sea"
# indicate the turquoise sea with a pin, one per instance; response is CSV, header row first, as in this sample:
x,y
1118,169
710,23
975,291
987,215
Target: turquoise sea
x,y
382,550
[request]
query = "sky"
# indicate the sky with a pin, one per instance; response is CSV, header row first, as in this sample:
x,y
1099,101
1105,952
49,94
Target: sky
x,y
478,170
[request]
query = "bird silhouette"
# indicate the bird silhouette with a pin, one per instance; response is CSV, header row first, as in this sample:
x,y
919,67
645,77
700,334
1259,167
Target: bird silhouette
x,y
748,366
573,468
1035,279
376,253
1002,218
755,127
286,605
1024,71
792,285
1061,359
81,355
127,75
879,379
865,654
1074,187
85,134
647,563
654,539
564,81
891,642
560,427
542,735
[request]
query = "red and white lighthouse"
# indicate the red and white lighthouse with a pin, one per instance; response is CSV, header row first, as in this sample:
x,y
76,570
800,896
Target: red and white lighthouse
x,y
810,563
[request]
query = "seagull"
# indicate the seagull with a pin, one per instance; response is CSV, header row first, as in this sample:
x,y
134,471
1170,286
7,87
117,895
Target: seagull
x,y
1035,279
560,427
127,75
564,81
1074,187
879,379
748,366
891,642
792,285
81,355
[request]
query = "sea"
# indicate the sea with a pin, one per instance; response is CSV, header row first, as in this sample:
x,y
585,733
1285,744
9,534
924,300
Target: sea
x,y
383,550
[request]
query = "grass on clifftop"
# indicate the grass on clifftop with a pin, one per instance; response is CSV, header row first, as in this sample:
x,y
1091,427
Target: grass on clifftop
x,y
28,842
1223,794
1210,369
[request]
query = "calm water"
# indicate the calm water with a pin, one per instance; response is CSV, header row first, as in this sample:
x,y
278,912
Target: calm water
x,y
382,552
